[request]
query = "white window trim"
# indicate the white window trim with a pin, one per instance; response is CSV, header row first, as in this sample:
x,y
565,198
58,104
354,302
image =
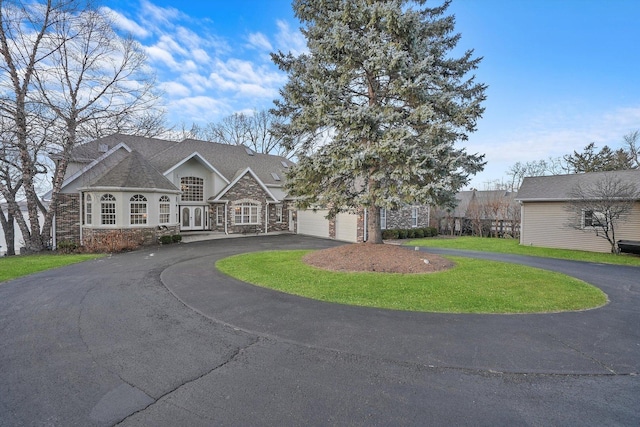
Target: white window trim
x,y
414,217
247,203
113,202
383,218
279,214
88,209
143,204
161,204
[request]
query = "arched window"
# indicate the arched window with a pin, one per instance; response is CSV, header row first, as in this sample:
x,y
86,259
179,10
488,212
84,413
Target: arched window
x,y
107,209
138,209
165,210
88,209
192,189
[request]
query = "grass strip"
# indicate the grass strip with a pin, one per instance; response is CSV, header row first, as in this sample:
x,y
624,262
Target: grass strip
x,y
472,286
17,266
512,246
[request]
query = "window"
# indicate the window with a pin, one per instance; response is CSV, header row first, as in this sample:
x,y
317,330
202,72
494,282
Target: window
x,y
138,209
414,217
107,209
219,215
165,210
88,209
383,219
246,213
592,219
192,189
278,213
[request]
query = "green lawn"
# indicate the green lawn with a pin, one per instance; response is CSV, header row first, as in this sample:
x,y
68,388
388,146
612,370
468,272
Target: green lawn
x,y
511,246
17,266
472,286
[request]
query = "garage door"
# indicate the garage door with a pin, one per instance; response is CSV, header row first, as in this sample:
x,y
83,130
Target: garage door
x,y
313,223
347,227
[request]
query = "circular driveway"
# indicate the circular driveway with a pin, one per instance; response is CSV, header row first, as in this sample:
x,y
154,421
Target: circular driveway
x,y
160,337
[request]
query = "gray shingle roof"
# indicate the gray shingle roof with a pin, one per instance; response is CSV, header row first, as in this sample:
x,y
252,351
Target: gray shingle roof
x,y
134,171
558,187
162,154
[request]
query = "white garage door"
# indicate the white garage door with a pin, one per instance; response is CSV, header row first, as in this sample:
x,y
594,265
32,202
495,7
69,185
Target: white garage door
x,y
347,227
313,223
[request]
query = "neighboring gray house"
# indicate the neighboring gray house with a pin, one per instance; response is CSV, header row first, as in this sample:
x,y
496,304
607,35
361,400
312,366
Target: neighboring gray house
x,y
547,221
147,187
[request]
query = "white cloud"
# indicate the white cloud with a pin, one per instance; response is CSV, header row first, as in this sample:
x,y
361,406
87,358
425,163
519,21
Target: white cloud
x,y
289,40
175,90
160,15
156,54
554,133
259,41
123,23
203,109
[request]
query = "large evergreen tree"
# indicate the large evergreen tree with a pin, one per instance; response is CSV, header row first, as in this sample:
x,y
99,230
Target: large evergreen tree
x,y
379,102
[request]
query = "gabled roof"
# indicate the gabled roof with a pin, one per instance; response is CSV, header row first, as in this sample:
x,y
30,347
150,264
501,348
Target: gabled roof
x,y
237,178
134,171
164,155
558,187
199,158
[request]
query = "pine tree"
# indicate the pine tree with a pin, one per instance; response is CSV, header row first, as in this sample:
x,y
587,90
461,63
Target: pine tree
x,y
376,106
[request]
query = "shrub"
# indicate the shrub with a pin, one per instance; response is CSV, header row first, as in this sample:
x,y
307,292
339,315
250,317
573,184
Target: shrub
x,y
389,234
402,233
419,233
67,246
176,238
411,233
430,232
165,240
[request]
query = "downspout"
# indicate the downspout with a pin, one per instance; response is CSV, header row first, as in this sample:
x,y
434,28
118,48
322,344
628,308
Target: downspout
x,y
365,228
81,214
266,216
226,229
54,242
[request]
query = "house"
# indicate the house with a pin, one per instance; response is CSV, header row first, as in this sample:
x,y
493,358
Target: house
x,y
548,221
144,188
481,213
351,226
140,189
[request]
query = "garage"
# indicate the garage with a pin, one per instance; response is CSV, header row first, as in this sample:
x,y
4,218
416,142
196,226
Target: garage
x,y
347,227
313,223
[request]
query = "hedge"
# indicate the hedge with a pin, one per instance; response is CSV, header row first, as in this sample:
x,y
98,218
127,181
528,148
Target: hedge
x,y
409,233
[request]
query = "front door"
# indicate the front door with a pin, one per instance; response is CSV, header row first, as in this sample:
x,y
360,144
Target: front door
x,y
192,218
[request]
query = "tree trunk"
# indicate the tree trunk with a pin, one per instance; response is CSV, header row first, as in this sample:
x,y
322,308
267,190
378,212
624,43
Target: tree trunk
x,y
374,232
9,232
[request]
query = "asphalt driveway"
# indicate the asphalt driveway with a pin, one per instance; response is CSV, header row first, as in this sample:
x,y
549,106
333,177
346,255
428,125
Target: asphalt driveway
x,y
159,337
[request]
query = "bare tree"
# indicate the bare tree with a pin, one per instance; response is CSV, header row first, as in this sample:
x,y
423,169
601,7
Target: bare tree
x,y
632,140
253,130
63,63
599,207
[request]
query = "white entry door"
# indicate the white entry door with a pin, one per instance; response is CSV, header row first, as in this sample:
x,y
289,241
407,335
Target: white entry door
x,y
192,218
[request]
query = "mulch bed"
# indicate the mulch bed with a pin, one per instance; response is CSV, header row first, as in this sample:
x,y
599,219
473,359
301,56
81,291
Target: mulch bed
x,y
377,258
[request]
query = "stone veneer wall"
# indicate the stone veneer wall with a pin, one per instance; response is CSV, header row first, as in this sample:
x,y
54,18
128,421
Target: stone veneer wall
x,y
247,188
68,218
142,236
401,218
279,226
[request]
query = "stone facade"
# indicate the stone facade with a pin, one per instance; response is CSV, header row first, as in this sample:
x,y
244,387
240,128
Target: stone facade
x,y
125,238
248,190
68,218
401,218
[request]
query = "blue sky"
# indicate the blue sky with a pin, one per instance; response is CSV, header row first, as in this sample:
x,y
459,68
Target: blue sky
x,y
561,73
